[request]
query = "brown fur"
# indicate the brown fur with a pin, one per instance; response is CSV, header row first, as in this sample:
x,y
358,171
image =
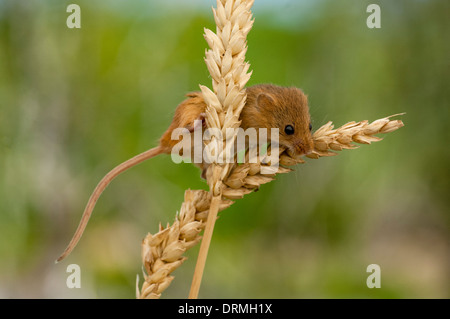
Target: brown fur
x,y
268,106
185,114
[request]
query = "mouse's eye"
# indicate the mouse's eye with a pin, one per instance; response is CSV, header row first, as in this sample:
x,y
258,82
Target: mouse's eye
x,y
310,127
289,130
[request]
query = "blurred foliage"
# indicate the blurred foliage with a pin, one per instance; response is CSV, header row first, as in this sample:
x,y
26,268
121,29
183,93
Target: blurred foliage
x,y
76,102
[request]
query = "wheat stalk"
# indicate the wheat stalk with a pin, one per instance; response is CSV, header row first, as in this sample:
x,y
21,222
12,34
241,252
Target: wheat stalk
x,y
162,252
229,72
225,61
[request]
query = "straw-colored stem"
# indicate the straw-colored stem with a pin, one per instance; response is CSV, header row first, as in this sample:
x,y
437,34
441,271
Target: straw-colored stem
x,y
204,247
229,72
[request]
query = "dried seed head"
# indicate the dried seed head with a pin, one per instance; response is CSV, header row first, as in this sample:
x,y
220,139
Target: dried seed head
x,y
162,252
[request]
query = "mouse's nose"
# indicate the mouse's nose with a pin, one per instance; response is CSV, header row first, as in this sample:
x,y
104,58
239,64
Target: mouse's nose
x,y
299,147
309,147
303,147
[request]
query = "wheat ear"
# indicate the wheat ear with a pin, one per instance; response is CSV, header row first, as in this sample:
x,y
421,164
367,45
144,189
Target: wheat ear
x,y
163,252
229,72
226,64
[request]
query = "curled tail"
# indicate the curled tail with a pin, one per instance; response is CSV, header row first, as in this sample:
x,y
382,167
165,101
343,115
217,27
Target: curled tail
x,y
99,190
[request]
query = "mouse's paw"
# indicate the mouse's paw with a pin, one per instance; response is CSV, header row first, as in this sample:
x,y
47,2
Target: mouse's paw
x,y
199,123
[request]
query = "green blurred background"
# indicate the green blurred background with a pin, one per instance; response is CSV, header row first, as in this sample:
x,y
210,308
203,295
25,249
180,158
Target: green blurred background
x,y
76,102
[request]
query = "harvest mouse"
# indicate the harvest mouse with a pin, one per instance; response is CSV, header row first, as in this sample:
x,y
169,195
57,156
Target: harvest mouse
x,y
267,106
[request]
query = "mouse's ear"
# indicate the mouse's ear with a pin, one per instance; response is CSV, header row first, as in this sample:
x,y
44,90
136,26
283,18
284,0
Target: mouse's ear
x,y
264,101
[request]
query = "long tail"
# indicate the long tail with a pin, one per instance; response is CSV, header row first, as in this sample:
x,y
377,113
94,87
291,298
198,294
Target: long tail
x,y
99,190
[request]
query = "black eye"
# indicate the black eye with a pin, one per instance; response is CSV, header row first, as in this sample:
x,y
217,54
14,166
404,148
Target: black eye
x,y
289,130
310,126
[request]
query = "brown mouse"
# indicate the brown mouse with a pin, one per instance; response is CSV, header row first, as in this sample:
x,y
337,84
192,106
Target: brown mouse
x,y
267,106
